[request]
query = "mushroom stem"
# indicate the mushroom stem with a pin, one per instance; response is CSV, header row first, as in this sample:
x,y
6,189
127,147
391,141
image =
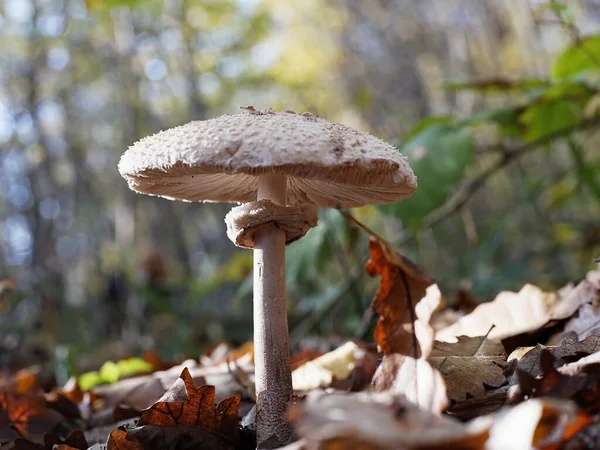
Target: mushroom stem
x,y
273,377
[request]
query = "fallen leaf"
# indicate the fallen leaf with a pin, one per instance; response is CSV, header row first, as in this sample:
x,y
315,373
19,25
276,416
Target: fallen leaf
x,y
510,313
530,361
530,311
538,423
468,346
585,439
414,378
75,440
477,407
188,413
585,323
27,380
25,416
571,299
379,421
470,376
303,356
59,402
402,285
584,365
118,441
322,371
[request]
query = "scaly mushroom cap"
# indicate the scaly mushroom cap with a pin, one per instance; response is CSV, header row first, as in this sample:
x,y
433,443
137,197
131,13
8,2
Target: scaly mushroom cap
x,y
218,160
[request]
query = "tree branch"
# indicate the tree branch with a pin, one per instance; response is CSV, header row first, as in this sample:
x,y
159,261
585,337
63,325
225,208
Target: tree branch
x,y
462,197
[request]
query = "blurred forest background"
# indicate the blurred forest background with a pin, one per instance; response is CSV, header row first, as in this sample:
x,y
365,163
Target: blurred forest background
x,y
495,102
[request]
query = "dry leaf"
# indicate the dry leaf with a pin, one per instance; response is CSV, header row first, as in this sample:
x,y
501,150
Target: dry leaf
x,y
303,356
402,285
510,313
379,421
586,439
75,440
186,412
414,378
468,346
536,423
118,441
584,365
322,371
585,323
26,415
530,361
470,376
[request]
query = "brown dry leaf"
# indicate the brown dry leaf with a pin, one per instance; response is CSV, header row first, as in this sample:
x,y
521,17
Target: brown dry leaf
x,y
530,361
572,298
415,378
584,323
586,439
402,285
478,407
75,440
27,380
468,346
470,376
26,415
579,382
59,402
510,313
304,356
118,441
187,409
539,423
379,421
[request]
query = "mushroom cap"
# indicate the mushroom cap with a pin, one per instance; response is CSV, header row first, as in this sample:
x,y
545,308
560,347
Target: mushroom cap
x,y
219,160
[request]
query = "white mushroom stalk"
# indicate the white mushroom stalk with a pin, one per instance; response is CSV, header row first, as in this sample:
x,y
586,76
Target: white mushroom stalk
x,y
273,376
279,166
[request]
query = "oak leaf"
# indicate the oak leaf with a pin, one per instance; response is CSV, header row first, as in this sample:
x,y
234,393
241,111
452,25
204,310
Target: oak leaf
x,y
118,441
470,376
186,413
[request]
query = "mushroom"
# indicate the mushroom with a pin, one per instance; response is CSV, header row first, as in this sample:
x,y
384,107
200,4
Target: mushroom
x,y
280,166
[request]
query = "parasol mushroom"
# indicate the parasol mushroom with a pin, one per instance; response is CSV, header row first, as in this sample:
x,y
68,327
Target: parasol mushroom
x,y
280,166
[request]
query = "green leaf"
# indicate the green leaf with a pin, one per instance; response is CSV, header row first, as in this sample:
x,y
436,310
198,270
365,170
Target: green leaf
x,y
103,4
587,171
499,85
439,154
507,120
554,6
545,118
111,372
582,56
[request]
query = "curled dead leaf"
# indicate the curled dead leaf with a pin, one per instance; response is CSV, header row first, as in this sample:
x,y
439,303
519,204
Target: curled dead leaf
x,y
402,286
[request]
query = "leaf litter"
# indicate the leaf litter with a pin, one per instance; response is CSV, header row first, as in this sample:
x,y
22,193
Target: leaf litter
x,y
519,372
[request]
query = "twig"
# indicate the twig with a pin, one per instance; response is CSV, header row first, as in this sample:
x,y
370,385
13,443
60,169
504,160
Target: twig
x,y
472,187
350,218
480,346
